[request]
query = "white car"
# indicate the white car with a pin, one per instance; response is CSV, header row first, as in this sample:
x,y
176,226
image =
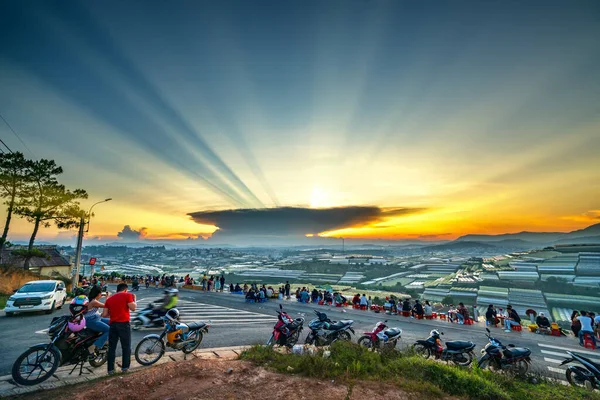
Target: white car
x,y
37,296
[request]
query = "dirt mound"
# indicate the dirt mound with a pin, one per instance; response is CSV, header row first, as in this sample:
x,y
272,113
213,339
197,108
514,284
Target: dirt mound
x,y
213,379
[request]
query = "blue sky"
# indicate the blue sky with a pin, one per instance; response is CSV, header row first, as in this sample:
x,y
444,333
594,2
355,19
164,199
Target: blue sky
x,y
484,114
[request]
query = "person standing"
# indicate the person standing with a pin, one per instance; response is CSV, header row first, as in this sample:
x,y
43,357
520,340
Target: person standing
x,y
118,308
287,290
222,280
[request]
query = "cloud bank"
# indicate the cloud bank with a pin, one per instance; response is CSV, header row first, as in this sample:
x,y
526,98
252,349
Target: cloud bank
x,y
130,234
295,221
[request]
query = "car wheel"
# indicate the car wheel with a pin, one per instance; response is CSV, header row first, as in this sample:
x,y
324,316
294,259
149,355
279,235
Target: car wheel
x,y
51,310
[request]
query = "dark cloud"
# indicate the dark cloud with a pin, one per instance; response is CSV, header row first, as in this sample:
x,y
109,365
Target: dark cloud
x,y
293,221
129,234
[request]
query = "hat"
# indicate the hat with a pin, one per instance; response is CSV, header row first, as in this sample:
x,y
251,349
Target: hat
x,y
541,314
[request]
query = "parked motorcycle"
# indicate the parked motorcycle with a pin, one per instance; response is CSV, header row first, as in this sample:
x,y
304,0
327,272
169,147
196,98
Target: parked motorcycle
x,y
507,358
381,337
458,351
147,318
323,331
176,335
587,376
286,331
66,347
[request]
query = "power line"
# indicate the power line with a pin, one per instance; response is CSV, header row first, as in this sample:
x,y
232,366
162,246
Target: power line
x,y
13,131
2,141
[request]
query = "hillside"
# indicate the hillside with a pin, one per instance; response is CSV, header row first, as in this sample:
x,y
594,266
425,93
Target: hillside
x,y
466,245
591,233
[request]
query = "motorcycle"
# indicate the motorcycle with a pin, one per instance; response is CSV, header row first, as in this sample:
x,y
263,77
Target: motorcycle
x,y
176,335
286,331
323,331
459,352
588,377
41,361
508,358
147,318
381,337
135,286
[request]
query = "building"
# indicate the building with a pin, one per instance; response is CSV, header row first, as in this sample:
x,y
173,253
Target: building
x,y
53,264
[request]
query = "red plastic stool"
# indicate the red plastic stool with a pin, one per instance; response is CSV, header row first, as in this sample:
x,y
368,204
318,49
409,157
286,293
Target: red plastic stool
x,y
356,306
517,328
434,315
339,305
406,313
363,307
419,316
587,342
555,332
429,317
322,302
442,316
469,321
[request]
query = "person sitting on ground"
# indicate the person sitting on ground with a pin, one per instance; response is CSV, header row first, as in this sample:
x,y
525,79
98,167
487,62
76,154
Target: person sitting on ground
x,y
231,288
315,295
356,299
262,294
338,298
393,308
586,327
417,311
327,297
304,296
491,316
512,319
363,301
237,288
270,292
427,309
406,305
250,295
462,313
575,323
542,321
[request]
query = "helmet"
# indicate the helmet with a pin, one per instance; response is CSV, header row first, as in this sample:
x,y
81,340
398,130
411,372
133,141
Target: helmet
x,y
78,305
172,292
434,333
76,324
172,315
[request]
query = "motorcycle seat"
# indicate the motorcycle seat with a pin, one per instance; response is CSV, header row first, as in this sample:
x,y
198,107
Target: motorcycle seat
x,y
517,352
459,345
194,326
392,332
340,324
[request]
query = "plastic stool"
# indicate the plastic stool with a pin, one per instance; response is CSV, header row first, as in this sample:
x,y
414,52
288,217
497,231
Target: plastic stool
x,y
469,321
555,332
363,307
442,316
406,313
587,342
429,317
517,328
419,316
434,315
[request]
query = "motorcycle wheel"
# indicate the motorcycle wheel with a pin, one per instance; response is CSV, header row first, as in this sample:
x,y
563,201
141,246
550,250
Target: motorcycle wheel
x,y
466,359
293,339
422,351
187,349
35,370
520,368
366,342
310,339
100,358
149,346
137,324
344,335
579,381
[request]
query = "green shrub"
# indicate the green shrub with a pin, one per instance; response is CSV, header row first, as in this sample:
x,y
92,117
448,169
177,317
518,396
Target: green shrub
x,y
412,373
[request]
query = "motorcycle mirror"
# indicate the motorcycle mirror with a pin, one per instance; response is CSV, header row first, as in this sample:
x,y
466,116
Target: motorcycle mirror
x,y
280,307
488,330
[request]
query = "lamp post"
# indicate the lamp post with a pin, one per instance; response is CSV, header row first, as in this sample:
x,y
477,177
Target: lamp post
x,y
82,223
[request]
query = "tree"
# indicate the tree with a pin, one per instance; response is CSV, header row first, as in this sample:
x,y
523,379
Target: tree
x,y
448,300
46,201
14,172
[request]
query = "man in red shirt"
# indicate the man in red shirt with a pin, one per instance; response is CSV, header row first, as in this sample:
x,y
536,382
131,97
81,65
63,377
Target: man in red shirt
x,y
118,307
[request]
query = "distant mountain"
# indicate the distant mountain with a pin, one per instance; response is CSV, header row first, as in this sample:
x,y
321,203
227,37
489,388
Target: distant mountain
x,y
463,245
587,235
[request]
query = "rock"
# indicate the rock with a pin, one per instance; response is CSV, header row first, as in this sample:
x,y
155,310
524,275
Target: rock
x,y
229,370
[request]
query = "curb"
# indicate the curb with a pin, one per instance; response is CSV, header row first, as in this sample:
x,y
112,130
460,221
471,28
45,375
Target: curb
x,y
62,377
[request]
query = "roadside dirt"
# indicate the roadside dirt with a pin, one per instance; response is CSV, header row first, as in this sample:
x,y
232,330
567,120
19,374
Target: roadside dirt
x,y
211,379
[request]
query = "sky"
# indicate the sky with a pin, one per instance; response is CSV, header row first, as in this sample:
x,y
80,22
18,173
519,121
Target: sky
x,y
354,118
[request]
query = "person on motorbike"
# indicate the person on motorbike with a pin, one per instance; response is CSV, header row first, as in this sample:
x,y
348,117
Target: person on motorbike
x,y
168,302
94,321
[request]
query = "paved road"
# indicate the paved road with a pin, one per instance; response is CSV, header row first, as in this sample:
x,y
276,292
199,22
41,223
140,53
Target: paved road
x,y
238,323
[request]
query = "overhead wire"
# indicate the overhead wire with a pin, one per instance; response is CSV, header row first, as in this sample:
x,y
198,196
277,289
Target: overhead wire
x,y
15,133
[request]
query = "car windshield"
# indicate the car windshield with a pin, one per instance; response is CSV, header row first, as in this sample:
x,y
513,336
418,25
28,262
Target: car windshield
x,y
37,287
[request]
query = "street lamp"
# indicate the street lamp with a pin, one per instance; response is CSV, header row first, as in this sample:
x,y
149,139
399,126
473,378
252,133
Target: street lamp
x,y
82,223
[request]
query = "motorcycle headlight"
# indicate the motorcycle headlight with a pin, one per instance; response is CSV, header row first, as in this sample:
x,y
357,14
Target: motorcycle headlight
x,y
48,296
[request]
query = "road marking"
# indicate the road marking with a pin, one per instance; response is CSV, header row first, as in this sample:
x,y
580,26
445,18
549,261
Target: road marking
x,y
554,353
593,354
552,360
43,331
557,370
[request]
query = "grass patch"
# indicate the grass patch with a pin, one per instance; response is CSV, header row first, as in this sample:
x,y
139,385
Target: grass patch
x,y
3,299
350,362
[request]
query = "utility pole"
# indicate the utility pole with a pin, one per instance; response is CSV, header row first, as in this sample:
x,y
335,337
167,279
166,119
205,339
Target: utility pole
x,y
75,280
